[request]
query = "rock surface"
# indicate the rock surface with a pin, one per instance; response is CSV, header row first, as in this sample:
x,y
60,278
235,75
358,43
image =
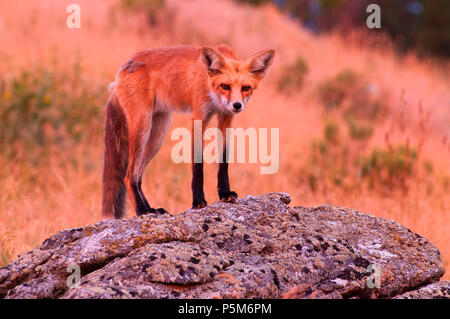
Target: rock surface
x,y
258,248
436,290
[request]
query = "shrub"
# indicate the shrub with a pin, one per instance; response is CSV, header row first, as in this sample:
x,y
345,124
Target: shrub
x,y
390,167
365,107
152,8
360,103
334,91
328,159
254,2
335,160
41,109
331,132
358,129
292,76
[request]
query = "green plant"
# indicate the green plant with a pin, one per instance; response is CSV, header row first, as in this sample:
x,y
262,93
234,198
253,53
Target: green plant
x,y
339,159
152,8
359,102
331,132
389,167
359,129
292,76
364,107
328,159
334,91
254,2
43,109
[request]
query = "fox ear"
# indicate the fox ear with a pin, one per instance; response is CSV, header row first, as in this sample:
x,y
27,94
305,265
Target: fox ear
x,y
213,59
259,64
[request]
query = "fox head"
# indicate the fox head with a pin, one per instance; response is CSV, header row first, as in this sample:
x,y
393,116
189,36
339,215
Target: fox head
x,y
233,80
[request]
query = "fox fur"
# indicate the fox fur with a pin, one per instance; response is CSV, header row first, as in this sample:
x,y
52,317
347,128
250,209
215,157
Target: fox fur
x,y
147,89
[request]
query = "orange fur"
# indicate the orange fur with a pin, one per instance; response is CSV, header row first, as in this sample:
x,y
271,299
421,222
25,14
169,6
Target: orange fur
x,y
153,84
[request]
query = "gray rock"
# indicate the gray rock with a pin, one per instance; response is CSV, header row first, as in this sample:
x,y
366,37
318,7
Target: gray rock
x,y
258,248
436,290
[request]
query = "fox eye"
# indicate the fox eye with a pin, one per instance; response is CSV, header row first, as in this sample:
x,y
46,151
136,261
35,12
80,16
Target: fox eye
x,y
246,88
226,87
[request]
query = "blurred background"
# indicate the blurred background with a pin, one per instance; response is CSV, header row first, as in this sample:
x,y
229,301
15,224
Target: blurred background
x,y
364,114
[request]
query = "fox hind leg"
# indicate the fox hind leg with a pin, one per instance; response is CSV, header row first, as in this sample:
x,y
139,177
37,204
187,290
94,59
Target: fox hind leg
x,y
159,128
139,134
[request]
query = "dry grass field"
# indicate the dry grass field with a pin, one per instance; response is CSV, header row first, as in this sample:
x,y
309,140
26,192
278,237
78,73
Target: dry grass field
x,y
360,126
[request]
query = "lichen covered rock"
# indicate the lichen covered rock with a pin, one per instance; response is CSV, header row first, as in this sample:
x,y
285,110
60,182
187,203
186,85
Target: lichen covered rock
x,y
435,290
259,247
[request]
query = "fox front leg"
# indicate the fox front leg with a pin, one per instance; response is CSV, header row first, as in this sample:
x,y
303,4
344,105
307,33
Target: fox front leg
x,y
223,183
198,196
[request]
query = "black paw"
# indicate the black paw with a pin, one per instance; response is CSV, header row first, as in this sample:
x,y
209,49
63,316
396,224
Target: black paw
x,y
156,211
228,197
199,204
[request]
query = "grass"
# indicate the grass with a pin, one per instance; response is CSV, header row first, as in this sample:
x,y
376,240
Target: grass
x,y
359,127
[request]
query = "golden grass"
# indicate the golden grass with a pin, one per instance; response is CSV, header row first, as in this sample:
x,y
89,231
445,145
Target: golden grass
x,y
67,190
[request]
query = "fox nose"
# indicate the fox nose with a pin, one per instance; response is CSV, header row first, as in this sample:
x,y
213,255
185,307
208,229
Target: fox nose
x,y
237,105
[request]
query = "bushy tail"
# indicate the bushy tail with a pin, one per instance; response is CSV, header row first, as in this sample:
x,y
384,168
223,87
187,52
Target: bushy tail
x,y
115,160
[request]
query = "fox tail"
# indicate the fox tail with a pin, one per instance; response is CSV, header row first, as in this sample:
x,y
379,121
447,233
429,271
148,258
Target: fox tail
x,y
115,159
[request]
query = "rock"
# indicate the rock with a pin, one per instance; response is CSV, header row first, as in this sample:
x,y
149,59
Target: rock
x,y
258,248
436,290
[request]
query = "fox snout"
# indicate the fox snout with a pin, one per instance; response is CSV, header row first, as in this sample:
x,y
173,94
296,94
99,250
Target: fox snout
x,y
237,106
237,99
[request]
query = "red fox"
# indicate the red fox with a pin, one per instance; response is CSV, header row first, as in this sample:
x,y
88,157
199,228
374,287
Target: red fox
x,y
202,80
